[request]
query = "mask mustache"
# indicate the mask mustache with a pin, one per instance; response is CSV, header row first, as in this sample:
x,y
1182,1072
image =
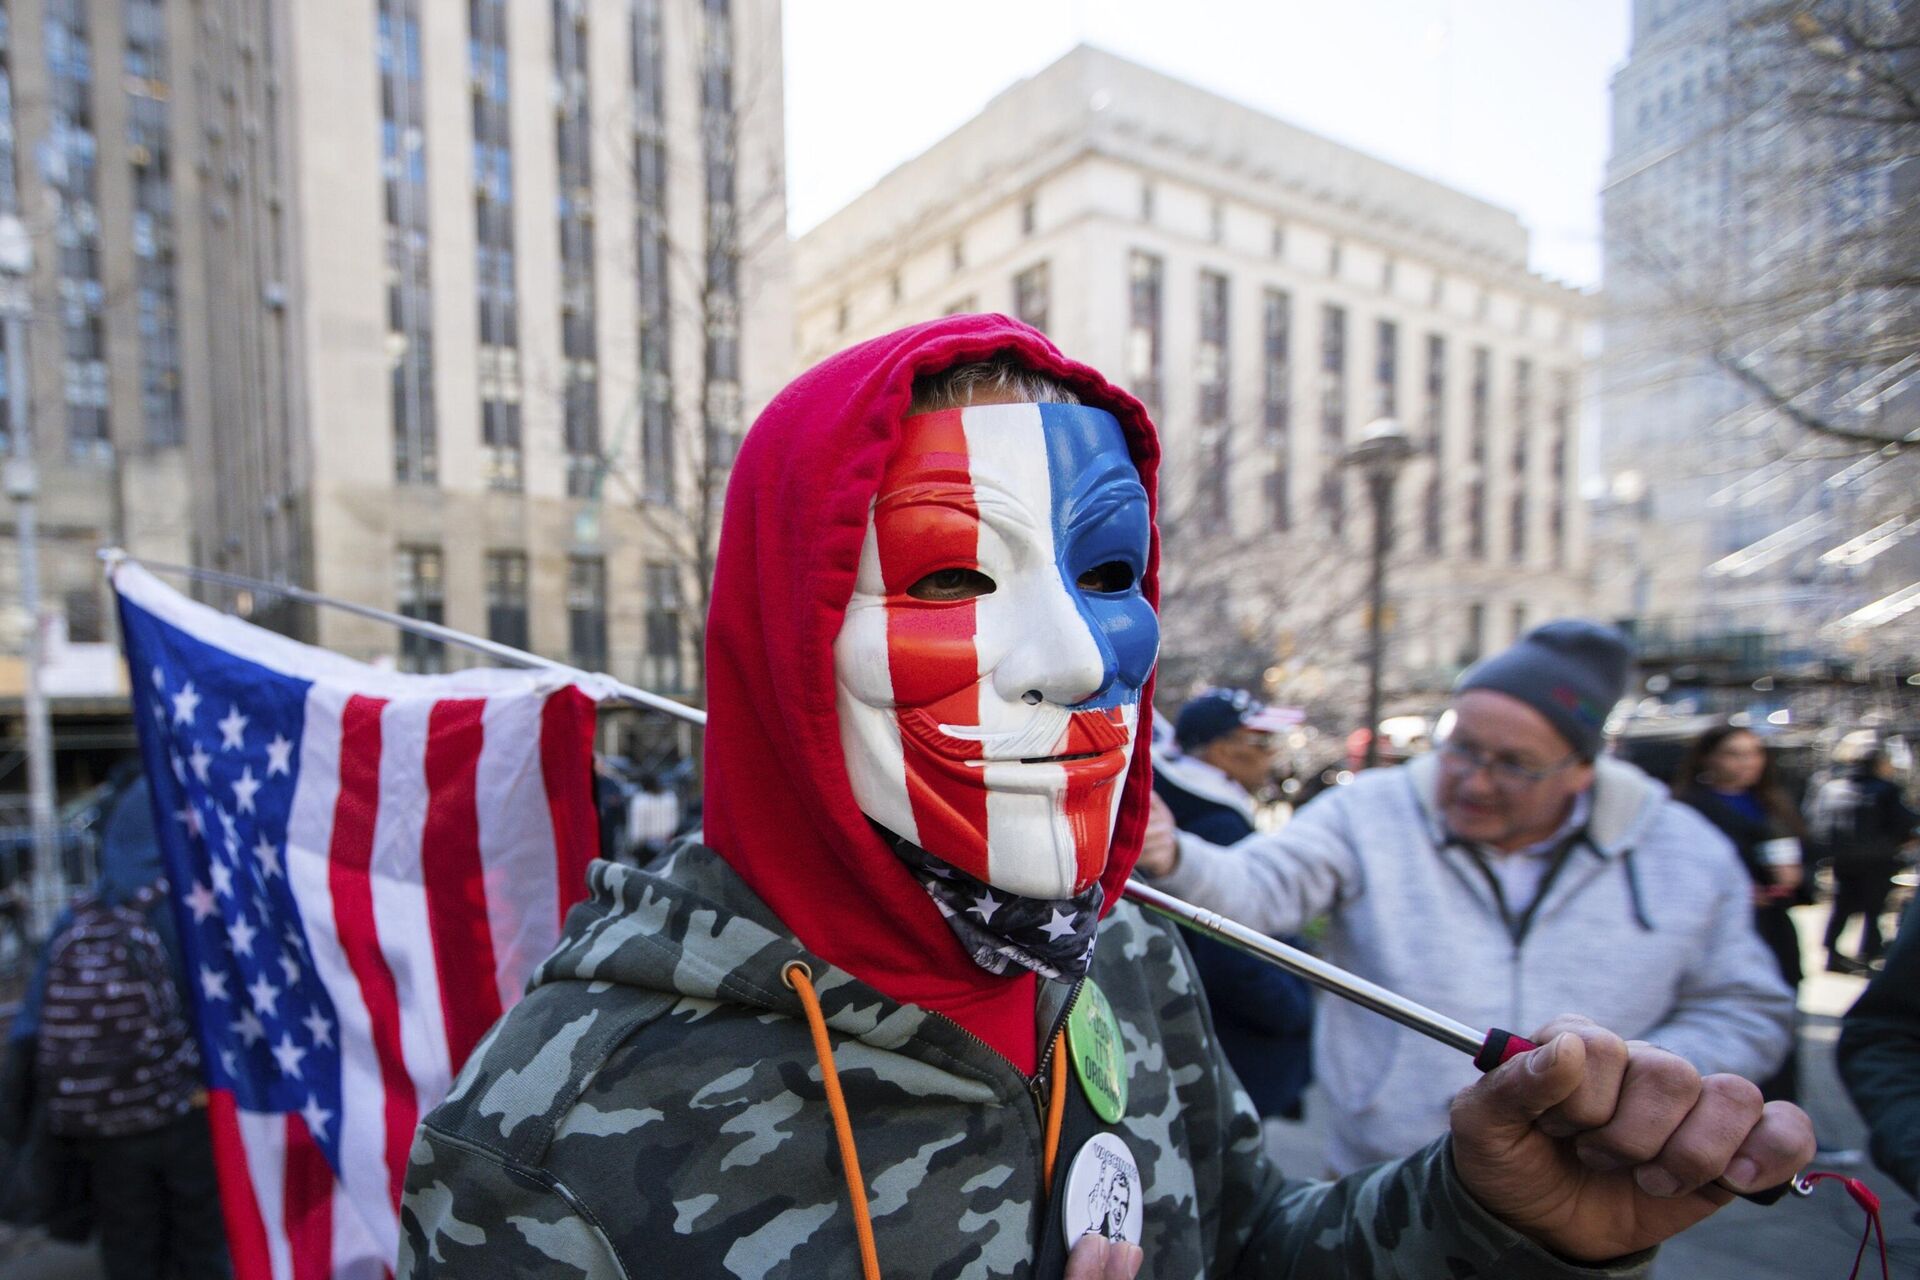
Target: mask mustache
x,y
1052,730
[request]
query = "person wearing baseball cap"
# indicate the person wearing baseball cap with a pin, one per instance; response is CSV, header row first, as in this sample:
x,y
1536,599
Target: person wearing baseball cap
x,y
1221,754
1513,870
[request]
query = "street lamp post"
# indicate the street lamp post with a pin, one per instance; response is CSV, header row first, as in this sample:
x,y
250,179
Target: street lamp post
x,y
1383,448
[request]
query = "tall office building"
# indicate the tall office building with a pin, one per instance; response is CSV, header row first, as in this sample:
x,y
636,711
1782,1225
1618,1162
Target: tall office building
x,y
443,307
1268,293
1738,217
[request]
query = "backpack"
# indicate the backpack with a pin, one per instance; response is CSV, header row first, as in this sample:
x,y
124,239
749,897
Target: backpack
x,y
114,1055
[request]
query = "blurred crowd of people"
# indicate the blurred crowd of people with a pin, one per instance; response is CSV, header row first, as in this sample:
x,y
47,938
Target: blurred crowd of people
x,y
1513,867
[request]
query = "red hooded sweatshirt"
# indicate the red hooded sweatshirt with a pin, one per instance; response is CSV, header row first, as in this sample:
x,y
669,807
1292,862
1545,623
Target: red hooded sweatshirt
x,y
779,805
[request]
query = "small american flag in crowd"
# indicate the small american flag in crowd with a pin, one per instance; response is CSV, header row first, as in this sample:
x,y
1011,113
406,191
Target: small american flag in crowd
x,y
366,867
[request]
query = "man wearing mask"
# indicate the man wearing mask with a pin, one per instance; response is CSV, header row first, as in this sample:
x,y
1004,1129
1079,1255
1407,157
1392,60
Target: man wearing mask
x,y
1512,873
892,1009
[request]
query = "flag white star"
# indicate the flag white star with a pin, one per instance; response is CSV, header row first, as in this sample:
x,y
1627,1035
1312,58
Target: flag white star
x,y
241,935
269,855
213,984
288,1055
226,824
316,1117
279,755
185,703
200,901
222,878
985,905
159,713
190,818
228,1061
248,1027
295,941
266,996
1061,926
243,788
319,1026
231,728
290,967
199,759
159,678
179,766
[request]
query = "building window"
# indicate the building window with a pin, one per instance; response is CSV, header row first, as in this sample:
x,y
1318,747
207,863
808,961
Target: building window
x,y
1386,276
420,593
720,297
587,612
1211,376
1477,518
664,671
1433,423
507,598
148,96
498,304
1217,222
1386,369
85,622
579,345
1146,200
957,255
1144,279
74,182
964,306
894,288
1517,620
1478,393
1029,216
1522,416
657,462
1276,350
1557,483
403,168
1476,641
1277,245
1333,414
1333,259
1030,296
1517,532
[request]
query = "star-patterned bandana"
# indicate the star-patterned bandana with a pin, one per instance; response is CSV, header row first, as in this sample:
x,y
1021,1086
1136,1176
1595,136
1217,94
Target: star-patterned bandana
x,y
1051,936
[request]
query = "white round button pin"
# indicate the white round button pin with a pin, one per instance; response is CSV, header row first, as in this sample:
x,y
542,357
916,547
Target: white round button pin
x,y
1103,1193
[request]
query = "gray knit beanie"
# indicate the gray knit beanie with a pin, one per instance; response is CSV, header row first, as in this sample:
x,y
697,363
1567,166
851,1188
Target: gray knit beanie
x,y
1571,671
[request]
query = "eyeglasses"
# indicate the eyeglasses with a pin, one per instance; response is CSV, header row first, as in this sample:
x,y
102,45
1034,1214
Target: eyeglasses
x,y
1461,758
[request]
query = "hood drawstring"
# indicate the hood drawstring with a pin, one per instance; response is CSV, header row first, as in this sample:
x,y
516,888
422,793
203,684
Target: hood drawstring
x,y
1633,891
799,978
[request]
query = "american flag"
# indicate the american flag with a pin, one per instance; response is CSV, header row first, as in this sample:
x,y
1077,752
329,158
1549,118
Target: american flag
x,y
366,867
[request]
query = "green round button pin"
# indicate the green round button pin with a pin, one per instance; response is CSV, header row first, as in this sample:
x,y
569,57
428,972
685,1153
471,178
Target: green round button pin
x,y
1099,1054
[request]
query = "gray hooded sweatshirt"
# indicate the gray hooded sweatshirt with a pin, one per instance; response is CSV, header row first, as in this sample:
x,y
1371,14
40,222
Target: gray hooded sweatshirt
x,y
1647,929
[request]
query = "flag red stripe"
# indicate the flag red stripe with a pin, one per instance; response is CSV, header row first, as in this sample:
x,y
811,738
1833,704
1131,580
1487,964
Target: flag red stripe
x,y
453,878
566,767
246,1230
309,1204
349,875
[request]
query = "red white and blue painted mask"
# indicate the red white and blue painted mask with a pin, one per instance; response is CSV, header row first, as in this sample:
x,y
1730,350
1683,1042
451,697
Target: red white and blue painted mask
x,y
990,665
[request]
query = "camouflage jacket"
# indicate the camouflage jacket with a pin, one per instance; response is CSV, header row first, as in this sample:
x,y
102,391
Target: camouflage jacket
x,y
654,1108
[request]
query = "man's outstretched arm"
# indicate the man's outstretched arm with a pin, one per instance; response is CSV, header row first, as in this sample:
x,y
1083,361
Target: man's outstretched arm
x,y
1271,881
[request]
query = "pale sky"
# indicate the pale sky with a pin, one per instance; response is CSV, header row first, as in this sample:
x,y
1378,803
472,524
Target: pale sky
x,y
1504,99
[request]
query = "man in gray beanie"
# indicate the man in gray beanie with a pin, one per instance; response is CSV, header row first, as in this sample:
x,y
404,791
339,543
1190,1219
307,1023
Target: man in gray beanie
x,y
1512,873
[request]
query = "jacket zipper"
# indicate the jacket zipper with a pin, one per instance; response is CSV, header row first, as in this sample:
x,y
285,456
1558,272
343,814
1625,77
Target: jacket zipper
x,y
1037,1086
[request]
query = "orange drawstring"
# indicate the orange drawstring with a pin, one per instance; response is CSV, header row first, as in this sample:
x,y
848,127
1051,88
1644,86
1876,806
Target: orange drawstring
x,y
1056,1106
800,978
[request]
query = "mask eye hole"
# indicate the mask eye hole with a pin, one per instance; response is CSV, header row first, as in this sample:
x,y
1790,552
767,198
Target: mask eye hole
x,y
1110,578
952,584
